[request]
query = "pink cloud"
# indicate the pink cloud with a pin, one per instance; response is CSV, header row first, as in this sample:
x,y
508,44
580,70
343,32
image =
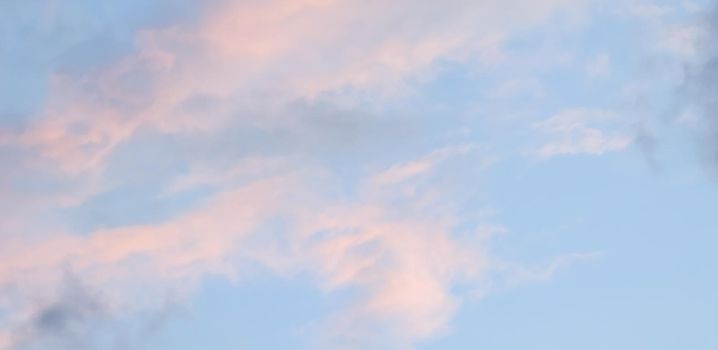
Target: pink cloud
x,y
398,248
287,50
405,265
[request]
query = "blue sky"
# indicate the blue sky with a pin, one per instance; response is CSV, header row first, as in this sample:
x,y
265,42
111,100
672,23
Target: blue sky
x,y
321,174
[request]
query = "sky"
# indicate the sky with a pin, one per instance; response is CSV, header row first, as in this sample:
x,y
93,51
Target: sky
x,y
326,174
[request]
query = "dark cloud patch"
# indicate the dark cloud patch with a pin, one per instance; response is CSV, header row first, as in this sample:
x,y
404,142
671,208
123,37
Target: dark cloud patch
x,y
647,143
75,307
155,321
66,322
701,89
81,318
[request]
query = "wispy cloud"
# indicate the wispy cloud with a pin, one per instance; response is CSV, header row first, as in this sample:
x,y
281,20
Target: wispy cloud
x,y
252,99
582,131
404,256
406,170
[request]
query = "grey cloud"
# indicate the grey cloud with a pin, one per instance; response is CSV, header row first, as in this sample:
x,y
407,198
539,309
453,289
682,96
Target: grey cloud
x,y
647,143
80,318
701,90
66,322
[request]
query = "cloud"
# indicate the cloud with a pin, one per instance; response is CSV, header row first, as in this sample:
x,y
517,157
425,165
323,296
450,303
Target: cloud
x,y
516,274
265,103
241,51
648,145
134,267
65,322
406,170
582,131
245,68
75,315
399,249
701,80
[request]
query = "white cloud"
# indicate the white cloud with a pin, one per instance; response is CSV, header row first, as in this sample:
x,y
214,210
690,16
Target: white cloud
x,y
582,131
406,170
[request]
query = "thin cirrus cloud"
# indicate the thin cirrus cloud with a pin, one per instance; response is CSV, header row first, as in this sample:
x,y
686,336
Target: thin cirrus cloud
x,y
398,248
581,131
280,48
396,237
